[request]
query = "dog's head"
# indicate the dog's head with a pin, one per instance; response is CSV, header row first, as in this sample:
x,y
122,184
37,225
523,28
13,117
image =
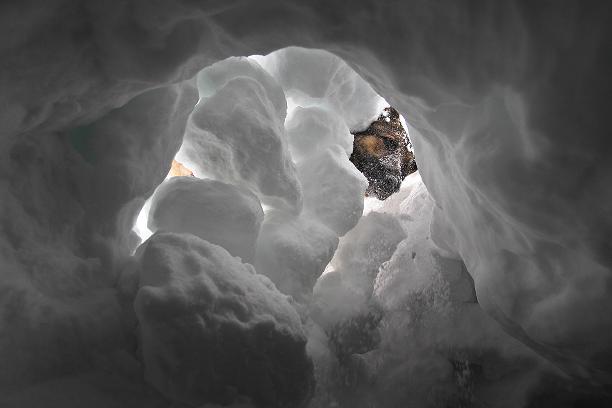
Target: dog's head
x,y
382,154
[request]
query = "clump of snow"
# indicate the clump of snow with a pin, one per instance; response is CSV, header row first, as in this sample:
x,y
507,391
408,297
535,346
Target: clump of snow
x,y
217,212
365,248
333,189
211,329
403,322
237,133
211,79
314,129
293,251
345,292
320,78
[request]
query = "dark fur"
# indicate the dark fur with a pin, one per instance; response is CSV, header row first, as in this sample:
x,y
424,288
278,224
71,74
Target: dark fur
x,y
382,154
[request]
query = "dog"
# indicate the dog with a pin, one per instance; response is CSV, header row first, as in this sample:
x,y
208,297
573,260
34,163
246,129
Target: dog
x,y
383,154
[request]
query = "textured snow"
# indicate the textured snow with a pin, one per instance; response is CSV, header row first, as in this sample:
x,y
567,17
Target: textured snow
x,y
293,251
365,248
214,211
313,129
429,303
507,109
345,292
319,78
211,329
333,189
236,133
410,317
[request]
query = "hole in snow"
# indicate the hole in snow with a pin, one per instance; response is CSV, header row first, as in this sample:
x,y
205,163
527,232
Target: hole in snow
x,y
383,153
295,127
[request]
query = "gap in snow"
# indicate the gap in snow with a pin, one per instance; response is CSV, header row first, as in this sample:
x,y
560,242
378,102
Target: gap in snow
x,y
294,100
371,204
382,153
141,227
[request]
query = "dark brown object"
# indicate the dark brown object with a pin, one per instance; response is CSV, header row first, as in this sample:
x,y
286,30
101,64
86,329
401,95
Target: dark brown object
x,y
382,154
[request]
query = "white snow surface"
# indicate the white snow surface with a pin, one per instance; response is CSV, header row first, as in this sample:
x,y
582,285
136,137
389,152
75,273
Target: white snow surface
x,y
432,330
316,78
198,309
333,189
507,109
237,134
314,129
217,212
293,251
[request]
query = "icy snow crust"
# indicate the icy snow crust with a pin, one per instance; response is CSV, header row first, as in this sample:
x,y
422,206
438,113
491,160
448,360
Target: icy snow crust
x,y
497,268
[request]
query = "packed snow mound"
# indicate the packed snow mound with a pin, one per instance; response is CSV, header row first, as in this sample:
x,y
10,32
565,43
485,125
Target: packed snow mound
x,y
335,300
320,78
217,212
293,252
345,291
237,133
421,339
211,329
249,147
417,262
313,129
372,242
333,189
211,79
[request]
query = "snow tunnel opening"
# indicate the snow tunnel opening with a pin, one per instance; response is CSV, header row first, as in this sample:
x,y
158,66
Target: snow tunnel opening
x,y
384,154
322,104
284,163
